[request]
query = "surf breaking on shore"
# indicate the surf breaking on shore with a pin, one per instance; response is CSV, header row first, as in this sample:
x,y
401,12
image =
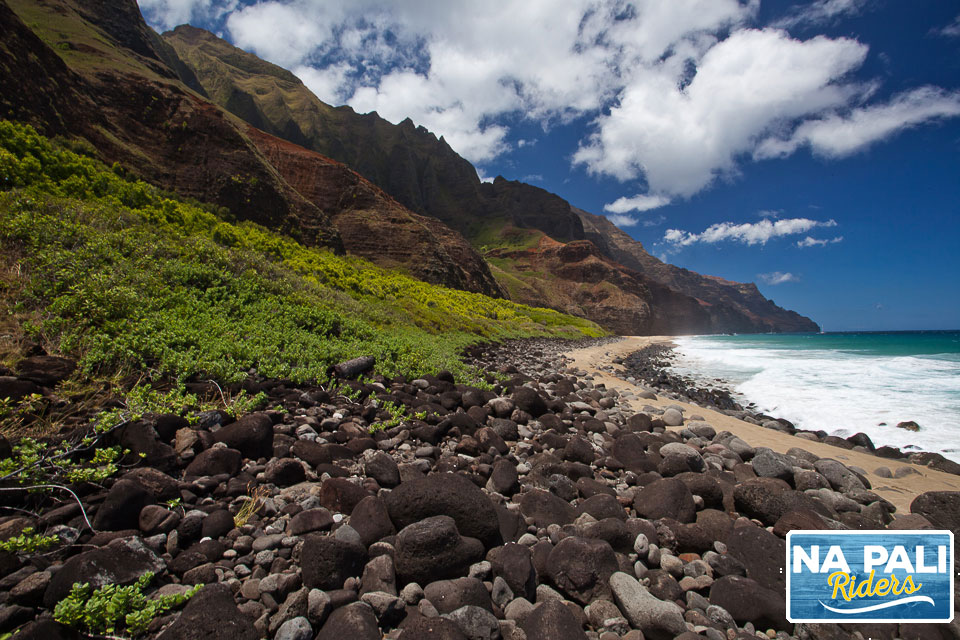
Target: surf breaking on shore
x,y
604,363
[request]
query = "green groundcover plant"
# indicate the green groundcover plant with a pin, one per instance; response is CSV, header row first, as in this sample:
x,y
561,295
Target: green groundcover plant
x,y
131,279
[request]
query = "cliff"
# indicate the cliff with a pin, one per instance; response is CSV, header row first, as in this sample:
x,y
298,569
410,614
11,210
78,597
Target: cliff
x,y
99,73
732,306
504,219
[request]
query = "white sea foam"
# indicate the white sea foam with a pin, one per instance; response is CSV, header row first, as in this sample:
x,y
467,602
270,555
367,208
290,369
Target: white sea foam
x,y
840,392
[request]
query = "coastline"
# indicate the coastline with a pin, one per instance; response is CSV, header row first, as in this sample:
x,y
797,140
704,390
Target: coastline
x,y
598,361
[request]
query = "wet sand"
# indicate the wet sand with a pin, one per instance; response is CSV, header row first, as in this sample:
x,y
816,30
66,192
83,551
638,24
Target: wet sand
x,y
899,491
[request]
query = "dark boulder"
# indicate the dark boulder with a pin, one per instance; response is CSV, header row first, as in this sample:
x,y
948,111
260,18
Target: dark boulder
x,y
602,506
514,563
120,562
371,520
382,468
450,495
450,595
310,520
433,549
45,370
284,472
326,562
941,508
251,435
552,620
214,461
666,498
121,509
355,621
528,400
761,553
546,508
211,614
581,568
504,478
341,495
749,601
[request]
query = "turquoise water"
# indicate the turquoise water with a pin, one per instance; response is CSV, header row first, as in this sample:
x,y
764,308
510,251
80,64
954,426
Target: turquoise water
x,y
843,383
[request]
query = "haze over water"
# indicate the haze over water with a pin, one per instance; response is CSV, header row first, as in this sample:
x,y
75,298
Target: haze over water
x,y
842,383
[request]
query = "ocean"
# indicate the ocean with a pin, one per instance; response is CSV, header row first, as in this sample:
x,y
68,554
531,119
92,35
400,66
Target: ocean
x,y
841,383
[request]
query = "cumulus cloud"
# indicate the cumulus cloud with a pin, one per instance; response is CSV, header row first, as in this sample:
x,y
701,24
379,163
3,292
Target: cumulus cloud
x,y
641,202
674,93
622,220
778,277
167,14
821,12
749,233
815,242
457,66
838,135
680,138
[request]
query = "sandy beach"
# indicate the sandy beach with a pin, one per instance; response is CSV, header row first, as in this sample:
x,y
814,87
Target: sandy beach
x,y
899,491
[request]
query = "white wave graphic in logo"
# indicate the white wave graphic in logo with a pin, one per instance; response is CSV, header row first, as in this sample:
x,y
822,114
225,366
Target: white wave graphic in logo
x,y
877,607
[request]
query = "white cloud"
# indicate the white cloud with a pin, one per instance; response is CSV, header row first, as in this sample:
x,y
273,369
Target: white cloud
x,y
952,30
821,11
641,202
327,84
167,14
681,138
747,233
815,242
457,66
622,220
483,176
677,93
778,277
841,135
533,177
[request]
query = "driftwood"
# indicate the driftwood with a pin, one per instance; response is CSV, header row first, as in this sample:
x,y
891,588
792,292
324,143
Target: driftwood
x,y
353,368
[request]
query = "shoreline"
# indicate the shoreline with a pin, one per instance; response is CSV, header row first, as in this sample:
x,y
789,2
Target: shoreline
x,y
598,361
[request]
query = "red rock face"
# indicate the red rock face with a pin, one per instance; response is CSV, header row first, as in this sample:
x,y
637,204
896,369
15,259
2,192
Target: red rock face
x,y
576,277
127,101
729,306
373,225
146,120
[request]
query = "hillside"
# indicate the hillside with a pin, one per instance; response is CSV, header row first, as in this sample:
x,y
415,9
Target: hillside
x,y
104,76
427,176
127,279
735,307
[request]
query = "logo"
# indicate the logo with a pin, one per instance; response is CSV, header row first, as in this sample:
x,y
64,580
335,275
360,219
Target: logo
x,y
870,576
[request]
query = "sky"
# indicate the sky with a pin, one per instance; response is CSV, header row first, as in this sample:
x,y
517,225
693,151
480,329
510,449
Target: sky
x,y
812,148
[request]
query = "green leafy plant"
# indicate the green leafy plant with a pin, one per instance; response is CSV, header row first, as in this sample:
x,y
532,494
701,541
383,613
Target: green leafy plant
x,y
243,403
397,413
33,462
128,278
14,415
29,542
113,609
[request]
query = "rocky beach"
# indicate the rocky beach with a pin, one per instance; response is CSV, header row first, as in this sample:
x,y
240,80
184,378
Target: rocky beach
x,y
568,502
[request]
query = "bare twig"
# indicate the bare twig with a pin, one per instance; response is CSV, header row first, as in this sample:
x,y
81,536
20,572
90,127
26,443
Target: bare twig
x,y
55,486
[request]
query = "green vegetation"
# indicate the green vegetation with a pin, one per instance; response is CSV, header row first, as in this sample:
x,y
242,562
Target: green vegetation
x,y
130,279
28,542
112,609
500,233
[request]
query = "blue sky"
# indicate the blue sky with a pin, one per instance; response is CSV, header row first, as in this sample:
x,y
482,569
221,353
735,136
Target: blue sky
x,y
812,148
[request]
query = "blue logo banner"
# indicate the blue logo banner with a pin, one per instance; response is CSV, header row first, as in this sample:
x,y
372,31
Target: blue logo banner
x,y
870,576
